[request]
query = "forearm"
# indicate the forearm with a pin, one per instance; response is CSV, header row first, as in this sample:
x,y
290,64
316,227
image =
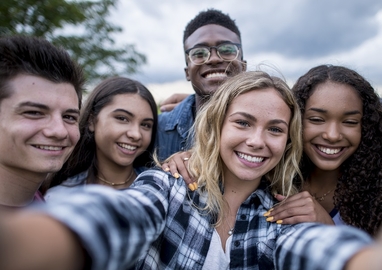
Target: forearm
x,y
113,227
319,247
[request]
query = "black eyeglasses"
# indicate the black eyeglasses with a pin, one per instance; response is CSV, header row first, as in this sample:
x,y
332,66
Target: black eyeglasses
x,y
226,51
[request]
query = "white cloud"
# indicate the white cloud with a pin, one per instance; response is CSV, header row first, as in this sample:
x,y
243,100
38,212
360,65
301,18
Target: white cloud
x,y
292,35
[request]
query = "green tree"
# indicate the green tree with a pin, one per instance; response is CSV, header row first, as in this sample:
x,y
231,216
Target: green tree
x,y
81,27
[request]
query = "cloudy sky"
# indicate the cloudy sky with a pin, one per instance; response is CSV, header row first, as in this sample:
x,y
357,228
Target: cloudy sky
x,y
291,36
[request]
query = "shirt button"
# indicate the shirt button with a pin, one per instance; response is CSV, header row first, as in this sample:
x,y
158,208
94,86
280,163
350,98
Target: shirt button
x,y
237,243
243,217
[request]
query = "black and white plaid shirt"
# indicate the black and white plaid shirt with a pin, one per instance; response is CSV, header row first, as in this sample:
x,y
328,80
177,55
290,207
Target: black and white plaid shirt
x,y
161,221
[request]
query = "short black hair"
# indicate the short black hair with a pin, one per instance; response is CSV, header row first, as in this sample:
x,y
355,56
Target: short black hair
x,y
210,16
37,57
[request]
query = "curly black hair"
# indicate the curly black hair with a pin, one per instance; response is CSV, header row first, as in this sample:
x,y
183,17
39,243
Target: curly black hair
x,y
358,195
210,16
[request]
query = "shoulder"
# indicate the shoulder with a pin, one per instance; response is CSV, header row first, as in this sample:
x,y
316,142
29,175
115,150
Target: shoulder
x,y
183,108
159,179
67,185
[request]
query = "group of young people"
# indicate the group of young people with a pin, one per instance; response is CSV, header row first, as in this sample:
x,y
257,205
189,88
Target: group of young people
x,y
267,166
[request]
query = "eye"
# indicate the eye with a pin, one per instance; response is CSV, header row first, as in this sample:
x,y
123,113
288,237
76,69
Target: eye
x,y
33,113
242,123
122,118
71,118
351,122
147,125
227,49
199,52
315,119
276,130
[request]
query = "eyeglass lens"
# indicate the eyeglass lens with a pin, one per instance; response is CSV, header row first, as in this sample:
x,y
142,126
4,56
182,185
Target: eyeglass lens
x,y
227,52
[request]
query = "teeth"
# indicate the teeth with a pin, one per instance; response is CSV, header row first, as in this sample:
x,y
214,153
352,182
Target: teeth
x,y
127,146
50,148
329,151
250,158
214,75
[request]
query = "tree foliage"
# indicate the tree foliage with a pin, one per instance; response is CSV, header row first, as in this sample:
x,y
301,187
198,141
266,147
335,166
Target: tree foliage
x,y
81,27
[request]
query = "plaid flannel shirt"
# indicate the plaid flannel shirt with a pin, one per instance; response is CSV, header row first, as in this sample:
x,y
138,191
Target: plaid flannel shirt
x,y
160,221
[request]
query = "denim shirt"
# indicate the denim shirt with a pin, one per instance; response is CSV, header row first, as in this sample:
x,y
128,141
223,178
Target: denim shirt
x,y
173,129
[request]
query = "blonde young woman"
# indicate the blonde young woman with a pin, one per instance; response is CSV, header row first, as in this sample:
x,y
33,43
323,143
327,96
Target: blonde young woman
x,y
247,147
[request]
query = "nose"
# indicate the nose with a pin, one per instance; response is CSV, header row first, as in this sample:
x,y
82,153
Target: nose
x,y
214,57
332,132
256,139
134,132
56,128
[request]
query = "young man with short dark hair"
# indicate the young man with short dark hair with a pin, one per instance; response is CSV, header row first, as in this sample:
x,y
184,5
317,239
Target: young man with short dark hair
x,y
213,52
40,99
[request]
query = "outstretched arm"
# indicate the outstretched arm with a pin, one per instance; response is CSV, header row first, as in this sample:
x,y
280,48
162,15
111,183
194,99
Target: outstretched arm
x,y
317,246
113,227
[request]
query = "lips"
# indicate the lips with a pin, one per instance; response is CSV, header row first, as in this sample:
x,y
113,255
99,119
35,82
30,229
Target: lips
x,y
127,146
249,158
216,73
329,150
49,147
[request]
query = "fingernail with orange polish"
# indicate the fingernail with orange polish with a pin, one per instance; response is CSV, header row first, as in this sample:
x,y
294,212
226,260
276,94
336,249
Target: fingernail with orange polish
x,y
196,186
176,175
191,187
280,221
267,213
269,219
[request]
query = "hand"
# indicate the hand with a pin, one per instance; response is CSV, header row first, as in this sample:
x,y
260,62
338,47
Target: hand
x,y
177,164
301,207
171,102
36,241
369,258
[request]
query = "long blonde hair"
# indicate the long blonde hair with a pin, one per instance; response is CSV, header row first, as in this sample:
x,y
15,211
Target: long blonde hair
x,y
205,163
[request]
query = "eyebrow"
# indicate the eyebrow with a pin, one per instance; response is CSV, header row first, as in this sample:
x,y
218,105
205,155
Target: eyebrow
x,y
131,114
325,111
205,44
43,106
252,118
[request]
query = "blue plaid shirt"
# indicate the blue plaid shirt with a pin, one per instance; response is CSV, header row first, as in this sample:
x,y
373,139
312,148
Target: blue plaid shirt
x,y
160,221
173,129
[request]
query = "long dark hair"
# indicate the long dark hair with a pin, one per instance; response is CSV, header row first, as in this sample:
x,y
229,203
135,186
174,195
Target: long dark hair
x,y
84,154
358,195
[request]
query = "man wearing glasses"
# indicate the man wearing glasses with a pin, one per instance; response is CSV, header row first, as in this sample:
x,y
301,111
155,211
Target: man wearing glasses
x,y
213,52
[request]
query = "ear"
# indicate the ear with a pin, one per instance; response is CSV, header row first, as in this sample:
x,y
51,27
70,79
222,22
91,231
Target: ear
x,y
91,124
244,65
187,74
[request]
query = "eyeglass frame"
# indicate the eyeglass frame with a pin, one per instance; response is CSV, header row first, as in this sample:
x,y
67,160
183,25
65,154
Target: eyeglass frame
x,y
238,45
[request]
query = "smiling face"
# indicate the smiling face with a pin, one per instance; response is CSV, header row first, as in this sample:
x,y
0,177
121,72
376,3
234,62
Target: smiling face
x,y
332,125
206,78
254,134
122,130
38,125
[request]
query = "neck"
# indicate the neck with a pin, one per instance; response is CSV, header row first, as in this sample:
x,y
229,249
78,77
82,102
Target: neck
x,y
121,177
323,180
200,101
17,189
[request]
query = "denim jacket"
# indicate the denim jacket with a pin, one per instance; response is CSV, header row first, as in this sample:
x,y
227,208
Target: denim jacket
x,y
173,129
